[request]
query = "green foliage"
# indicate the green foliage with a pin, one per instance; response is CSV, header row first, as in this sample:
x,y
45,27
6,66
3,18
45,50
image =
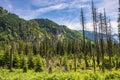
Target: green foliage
x,y
5,62
65,62
31,62
18,74
38,65
1,60
50,70
21,60
112,76
25,66
107,63
16,60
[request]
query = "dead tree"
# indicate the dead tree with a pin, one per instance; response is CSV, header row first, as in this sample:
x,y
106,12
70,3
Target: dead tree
x,y
108,39
110,45
84,43
94,28
119,27
118,54
101,40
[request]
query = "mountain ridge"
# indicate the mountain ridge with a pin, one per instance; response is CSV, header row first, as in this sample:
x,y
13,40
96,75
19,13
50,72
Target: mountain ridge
x,y
14,28
90,34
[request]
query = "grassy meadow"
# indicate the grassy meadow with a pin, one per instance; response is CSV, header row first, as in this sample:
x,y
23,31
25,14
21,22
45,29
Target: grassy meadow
x,y
18,74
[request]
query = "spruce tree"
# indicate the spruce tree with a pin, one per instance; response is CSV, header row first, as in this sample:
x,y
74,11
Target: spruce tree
x,y
25,65
6,59
38,65
30,61
65,62
16,60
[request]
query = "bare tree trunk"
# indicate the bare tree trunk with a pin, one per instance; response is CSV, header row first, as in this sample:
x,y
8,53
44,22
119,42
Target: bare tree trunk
x,y
83,26
118,54
110,47
102,42
95,32
119,28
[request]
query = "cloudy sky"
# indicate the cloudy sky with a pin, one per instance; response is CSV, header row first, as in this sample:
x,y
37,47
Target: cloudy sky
x,y
64,12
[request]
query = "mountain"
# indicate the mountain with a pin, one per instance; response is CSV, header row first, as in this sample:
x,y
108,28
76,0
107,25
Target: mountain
x,y
13,28
90,34
115,37
54,29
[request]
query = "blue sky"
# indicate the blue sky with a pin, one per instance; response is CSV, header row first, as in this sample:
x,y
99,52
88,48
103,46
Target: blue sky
x,y
64,12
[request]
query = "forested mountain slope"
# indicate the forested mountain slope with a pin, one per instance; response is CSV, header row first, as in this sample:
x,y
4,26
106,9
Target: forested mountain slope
x,y
13,28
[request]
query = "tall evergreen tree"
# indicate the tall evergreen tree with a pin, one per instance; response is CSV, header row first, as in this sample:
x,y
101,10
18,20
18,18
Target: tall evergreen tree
x,y
16,60
31,62
38,65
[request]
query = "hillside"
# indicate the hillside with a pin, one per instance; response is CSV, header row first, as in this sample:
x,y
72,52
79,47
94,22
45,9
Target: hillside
x,y
14,28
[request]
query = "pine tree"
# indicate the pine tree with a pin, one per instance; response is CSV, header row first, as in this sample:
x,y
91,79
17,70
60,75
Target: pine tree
x,y
65,62
26,49
16,60
25,66
6,59
21,60
38,65
11,57
30,61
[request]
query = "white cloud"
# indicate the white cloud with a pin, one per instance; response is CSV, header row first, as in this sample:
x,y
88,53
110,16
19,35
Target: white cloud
x,y
43,6
114,27
111,8
6,4
45,2
88,26
50,8
72,25
78,26
30,14
53,2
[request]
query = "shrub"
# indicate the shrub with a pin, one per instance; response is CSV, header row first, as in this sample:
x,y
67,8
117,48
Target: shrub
x,y
38,66
112,76
65,63
6,59
1,61
94,76
50,70
30,62
21,60
25,66
107,63
16,60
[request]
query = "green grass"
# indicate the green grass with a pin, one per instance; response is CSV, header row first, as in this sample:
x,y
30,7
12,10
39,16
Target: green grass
x,y
18,74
